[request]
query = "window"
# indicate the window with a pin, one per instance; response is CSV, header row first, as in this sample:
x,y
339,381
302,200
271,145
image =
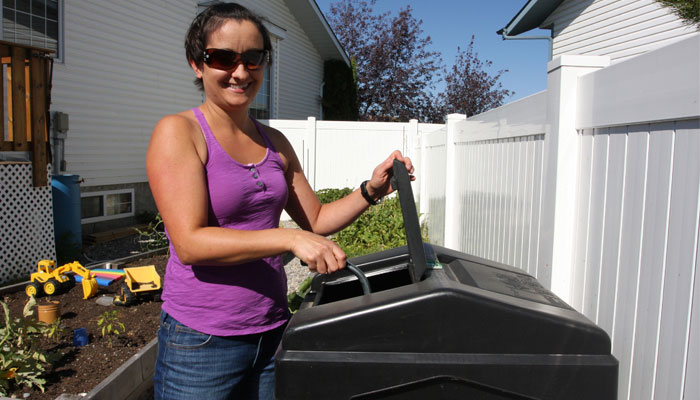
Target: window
x,y
102,206
32,22
260,108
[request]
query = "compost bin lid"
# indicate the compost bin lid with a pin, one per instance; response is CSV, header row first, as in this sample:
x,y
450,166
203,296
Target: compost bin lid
x,y
401,182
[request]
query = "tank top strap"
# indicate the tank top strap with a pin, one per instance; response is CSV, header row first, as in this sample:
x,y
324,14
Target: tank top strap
x,y
204,125
261,130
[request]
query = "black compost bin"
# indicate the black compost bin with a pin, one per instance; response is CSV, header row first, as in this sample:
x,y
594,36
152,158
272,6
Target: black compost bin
x,y
439,324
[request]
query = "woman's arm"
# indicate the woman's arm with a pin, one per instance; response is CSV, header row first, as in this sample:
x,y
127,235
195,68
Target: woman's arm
x,y
177,179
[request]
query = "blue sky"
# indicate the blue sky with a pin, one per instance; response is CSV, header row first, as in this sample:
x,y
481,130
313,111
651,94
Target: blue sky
x,y
451,23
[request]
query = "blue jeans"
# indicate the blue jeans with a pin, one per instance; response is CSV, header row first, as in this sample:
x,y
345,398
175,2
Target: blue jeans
x,y
194,365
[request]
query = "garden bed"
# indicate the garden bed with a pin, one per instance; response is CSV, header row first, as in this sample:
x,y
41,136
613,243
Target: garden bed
x,y
81,369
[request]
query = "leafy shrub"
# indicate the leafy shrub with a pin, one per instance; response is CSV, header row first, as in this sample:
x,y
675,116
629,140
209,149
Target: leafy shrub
x,y
330,195
153,237
379,228
21,361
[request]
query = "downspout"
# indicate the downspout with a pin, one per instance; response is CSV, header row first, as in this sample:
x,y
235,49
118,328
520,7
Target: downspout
x,y
505,36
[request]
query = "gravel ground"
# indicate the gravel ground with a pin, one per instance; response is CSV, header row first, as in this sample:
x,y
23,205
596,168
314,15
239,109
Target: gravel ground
x,y
119,248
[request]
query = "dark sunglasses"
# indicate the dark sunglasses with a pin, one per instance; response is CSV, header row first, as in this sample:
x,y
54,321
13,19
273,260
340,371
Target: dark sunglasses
x,y
227,59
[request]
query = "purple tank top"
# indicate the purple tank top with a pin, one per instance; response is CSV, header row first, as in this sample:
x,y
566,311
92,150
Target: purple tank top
x,y
244,298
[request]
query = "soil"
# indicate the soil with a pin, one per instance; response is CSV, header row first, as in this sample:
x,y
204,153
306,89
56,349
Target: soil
x,y
80,369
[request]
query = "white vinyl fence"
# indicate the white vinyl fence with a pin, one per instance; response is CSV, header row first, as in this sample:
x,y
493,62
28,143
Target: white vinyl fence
x,y
592,186
338,154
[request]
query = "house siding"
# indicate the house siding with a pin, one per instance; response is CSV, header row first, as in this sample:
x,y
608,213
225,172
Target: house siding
x,y
617,28
298,73
124,68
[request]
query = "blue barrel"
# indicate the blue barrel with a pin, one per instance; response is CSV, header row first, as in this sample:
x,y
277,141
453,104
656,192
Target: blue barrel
x,y
65,190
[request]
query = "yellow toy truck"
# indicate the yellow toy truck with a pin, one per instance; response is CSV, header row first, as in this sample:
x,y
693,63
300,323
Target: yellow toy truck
x,y
50,280
139,281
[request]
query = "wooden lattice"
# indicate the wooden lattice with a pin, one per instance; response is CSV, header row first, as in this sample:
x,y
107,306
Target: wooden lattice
x,y
26,222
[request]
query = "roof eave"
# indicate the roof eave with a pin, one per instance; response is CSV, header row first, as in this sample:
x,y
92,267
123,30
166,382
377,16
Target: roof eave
x,y
317,28
531,16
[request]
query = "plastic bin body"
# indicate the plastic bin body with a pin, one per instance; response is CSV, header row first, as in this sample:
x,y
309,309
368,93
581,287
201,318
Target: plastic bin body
x,y
65,191
470,328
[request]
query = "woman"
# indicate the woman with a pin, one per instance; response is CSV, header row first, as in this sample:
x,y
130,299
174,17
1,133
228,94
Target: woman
x,y
220,181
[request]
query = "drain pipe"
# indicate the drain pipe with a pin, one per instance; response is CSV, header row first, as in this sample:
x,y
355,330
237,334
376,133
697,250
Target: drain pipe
x,y
505,36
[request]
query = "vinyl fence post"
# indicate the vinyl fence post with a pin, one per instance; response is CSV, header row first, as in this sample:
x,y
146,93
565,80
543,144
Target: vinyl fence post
x,y
454,122
410,146
311,149
423,174
555,260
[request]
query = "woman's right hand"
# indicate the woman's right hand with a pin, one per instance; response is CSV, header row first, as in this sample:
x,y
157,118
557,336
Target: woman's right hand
x,y
321,254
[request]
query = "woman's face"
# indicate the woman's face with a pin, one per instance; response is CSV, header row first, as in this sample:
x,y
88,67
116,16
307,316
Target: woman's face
x,y
234,88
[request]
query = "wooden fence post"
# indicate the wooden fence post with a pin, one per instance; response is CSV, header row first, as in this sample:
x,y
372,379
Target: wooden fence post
x,y
19,99
38,90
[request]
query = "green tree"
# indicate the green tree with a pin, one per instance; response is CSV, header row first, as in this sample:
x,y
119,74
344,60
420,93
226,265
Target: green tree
x,y
687,10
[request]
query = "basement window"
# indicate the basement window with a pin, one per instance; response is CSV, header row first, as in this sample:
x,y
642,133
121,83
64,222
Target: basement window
x,y
103,206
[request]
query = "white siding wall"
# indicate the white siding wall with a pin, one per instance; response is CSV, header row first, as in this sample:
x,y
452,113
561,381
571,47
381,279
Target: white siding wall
x,y
616,28
299,66
124,68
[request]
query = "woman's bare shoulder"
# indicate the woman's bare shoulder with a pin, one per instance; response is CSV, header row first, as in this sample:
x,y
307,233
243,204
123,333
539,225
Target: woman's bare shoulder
x,y
183,123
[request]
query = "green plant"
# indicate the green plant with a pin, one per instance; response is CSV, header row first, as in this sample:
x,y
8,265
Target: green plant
x,y
687,10
53,331
380,228
109,322
153,237
21,361
326,196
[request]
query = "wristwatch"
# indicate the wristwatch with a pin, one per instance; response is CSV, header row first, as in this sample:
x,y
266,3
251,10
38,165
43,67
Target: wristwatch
x,y
370,200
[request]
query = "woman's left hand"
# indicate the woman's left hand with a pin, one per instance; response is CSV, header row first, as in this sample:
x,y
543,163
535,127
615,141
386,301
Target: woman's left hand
x,y
380,184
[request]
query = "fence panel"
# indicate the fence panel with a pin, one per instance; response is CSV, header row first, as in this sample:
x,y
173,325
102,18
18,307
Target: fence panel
x,y
636,248
301,139
433,171
498,159
498,198
348,152
680,263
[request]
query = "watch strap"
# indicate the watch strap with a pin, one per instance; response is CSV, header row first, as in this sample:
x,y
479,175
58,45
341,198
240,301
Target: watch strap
x,y
365,194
